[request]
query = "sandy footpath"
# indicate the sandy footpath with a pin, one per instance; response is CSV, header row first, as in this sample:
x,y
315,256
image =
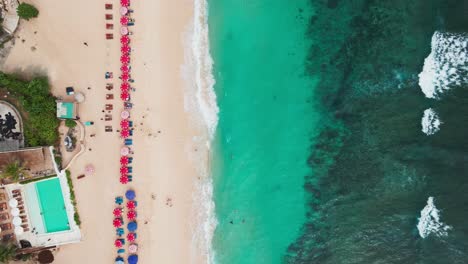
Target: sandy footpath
x,y
164,174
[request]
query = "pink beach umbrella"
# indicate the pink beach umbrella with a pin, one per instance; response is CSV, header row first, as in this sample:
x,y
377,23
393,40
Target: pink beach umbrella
x,y
124,2
124,123
123,179
125,96
125,133
117,211
123,10
117,222
89,169
123,170
118,243
124,59
125,77
124,151
133,248
124,31
124,40
131,237
123,161
131,215
125,114
124,20
131,205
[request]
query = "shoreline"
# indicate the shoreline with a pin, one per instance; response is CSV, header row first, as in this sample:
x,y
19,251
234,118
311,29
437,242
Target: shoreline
x,y
166,138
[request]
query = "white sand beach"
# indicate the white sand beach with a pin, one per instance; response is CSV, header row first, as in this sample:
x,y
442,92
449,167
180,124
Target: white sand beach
x,y
53,44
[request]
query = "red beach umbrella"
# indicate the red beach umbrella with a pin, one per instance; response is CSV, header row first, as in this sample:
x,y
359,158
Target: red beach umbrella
x,y
124,67
124,31
124,123
131,205
117,222
117,211
123,179
124,40
124,20
118,243
123,170
124,87
125,49
131,237
125,96
123,160
124,59
124,2
131,215
125,133
125,77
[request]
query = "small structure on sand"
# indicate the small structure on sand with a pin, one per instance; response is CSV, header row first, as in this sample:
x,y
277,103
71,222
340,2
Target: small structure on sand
x,y
66,110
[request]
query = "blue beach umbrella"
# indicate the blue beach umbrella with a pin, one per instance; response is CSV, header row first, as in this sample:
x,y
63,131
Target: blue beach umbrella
x,y
130,194
132,226
133,259
119,260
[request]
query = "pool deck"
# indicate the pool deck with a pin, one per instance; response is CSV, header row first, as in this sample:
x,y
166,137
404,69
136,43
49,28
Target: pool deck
x,y
38,238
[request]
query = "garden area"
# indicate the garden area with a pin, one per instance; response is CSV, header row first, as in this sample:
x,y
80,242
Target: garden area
x,y
37,106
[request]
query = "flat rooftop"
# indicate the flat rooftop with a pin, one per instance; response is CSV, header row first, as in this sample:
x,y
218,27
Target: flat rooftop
x,y
37,161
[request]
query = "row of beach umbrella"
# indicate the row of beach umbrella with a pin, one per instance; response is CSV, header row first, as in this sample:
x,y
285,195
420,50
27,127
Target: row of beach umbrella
x,y
129,210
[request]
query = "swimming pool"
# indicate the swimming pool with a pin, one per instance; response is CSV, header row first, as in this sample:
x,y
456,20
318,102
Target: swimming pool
x,y
46,206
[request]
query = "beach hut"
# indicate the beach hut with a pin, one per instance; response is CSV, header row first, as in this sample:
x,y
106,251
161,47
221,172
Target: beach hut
x,y
132,226
133,259
130,194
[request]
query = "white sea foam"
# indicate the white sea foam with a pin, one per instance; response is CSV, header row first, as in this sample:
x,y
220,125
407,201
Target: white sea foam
x,y
430,122
447,64
430,223
200,101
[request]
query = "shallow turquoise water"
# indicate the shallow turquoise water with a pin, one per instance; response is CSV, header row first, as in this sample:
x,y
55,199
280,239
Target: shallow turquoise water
x,y
52,205
266,123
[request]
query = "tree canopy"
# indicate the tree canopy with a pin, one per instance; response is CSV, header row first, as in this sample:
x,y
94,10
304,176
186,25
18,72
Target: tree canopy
x,y
27,11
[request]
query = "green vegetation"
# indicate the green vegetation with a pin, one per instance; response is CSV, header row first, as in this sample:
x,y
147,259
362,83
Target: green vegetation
x,y
70,123
27,11
7,252
72,198
37,179
40,121
13,171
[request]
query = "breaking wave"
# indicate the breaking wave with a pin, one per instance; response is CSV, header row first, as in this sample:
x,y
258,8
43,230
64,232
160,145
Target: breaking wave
x,y
430,122
430,223
447,64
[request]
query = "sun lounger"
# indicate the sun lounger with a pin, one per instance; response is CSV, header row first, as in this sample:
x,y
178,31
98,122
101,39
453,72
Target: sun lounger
x,y
3,206
109,96
109,16
130,178
108,129
108,117
109,36
80,176
109,107
130,169
2,196
108,6
7,238
4,216
109,26
121,251
6,226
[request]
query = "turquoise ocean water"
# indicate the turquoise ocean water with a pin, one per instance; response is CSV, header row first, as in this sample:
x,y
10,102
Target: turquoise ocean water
x,y
265,124
320,155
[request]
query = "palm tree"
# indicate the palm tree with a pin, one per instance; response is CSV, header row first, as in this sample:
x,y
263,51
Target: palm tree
x,y
13,171
7,252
